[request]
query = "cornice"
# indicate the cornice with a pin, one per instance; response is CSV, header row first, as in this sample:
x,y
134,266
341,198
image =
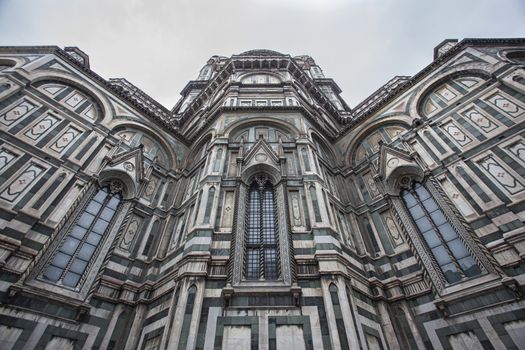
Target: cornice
x,y
358,114
263,62
215,112
161,116
259,59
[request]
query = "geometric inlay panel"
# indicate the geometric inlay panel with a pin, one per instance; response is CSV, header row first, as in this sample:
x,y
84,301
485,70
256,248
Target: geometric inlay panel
x,y
506,105
17,112
6,157
518,150
23,181
501,175
42,127
456,133
481,121
65,139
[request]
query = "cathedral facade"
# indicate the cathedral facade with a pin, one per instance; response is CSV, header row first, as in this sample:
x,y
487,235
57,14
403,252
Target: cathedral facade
x,y
263,212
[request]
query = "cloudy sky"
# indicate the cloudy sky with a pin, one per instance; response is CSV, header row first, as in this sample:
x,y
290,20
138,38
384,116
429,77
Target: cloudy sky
x,y
159,45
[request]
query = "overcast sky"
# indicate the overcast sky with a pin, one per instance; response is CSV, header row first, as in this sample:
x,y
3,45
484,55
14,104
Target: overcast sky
x,y
161,45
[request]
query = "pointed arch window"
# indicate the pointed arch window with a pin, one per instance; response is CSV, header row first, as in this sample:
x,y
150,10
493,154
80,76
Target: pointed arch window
x,y
118,337
218,160
72,258
151,242
315,203
209,205
261,240
404,333
447,248
306,159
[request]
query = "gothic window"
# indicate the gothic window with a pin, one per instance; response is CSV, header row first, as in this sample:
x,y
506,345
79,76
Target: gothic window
x,y
349,298
328,208
148,248
342,229
118,337
188,314
315,203
369,237
152,343
261,255
167,195
306,159
182,226
209,205
71,260
218,158
441,238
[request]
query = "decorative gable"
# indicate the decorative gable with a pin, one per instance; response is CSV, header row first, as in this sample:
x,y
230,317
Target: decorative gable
x,y
394,164
261,152
128,167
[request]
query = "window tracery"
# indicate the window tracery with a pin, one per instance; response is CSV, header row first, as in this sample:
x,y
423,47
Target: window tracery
x,y
71,260
262,253
442,240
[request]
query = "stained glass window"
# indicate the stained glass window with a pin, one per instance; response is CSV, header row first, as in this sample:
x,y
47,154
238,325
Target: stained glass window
x,y
449,251
262,255
79,245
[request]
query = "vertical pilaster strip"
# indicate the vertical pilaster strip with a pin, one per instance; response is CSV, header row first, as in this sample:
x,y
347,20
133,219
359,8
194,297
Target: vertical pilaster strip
x,y
350,327
136,327
386,326
111,326
330,315
263,330
195,318
174,335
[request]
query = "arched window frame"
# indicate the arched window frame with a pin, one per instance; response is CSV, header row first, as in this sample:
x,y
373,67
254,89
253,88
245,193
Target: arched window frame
x,y
261,258
150,247
209,205
237,276
35,277
306,159
218,161
341,330
416,239
315,203
404,334
442,240
118,334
